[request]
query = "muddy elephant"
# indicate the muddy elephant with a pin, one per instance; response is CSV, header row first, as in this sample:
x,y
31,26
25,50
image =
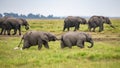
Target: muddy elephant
x,y
14,23
73,21
98,21
33,38
76,39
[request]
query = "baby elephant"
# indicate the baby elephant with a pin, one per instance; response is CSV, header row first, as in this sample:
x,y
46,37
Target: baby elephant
x,y
75,38
32,38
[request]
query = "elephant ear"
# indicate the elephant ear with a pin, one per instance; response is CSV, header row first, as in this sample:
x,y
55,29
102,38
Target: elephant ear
x,y
45,37
50,37
88,36
108,20
80,20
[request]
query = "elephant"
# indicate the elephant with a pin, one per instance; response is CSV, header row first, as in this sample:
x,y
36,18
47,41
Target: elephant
x,y
98,21
14,23
2,19
32,38
70,39
73,21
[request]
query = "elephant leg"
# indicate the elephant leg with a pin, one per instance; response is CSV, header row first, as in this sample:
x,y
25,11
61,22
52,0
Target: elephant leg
x,y
80,44
26,45
75,29
5,32
68,43
68,28
8,32
64,28
101,28
15,31
19,31
39,44
94,29
46,45
89,28
70,46
83,43
78,26
1,31
62,44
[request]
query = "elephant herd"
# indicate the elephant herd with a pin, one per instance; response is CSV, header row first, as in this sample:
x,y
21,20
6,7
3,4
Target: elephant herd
x,y
68,39
93,22
9,23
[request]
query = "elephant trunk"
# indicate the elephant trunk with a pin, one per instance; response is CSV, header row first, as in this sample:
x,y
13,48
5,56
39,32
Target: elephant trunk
x,y
27,27
112,26
92,43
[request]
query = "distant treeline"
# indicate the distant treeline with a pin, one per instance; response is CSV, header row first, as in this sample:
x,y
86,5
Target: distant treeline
x,y
29,16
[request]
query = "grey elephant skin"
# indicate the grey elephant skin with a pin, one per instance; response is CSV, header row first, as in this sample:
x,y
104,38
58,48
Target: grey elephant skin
x,y
76,39
14,23
33,38
2,19
73,21
98,21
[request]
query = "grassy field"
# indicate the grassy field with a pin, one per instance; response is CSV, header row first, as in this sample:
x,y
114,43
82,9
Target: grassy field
x,y
104,54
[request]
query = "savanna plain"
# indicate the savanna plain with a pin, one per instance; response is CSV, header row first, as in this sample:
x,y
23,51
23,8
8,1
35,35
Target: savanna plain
x,y
104,54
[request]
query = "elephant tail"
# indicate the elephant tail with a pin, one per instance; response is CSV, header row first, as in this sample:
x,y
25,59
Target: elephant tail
x,y
19,44
62,39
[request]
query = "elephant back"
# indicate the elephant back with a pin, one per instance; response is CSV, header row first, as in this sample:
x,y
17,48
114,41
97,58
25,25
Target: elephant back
x,y
2,20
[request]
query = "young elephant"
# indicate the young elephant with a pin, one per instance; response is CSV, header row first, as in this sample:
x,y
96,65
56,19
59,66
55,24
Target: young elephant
x,y
32,38
14,23
98,21
73,21
75,38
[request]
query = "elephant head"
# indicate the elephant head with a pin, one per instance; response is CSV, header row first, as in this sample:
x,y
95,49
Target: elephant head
x,y
107,21
51,37
83,21
25,23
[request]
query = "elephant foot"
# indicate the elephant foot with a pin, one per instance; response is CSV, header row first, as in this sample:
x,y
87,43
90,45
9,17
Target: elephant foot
x,y
8,34
93,31
70,47
100,30
62,47
74,30
4,34
19,34
81,46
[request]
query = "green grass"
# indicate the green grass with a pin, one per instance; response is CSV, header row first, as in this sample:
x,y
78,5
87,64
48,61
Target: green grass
x,y
104,54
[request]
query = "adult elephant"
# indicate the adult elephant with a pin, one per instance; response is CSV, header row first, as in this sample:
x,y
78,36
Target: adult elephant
x,y
2,19
15,23
98,21
76,38
73,21
33,38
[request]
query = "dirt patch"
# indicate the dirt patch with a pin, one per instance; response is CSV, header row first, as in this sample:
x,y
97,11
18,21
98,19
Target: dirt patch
x,y
106,39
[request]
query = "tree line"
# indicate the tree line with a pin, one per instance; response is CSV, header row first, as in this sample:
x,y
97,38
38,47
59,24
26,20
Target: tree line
x,y
29,16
